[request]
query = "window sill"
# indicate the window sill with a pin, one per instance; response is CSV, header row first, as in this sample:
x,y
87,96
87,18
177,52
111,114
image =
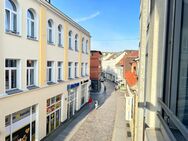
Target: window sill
x,y
32,38
71,78
51,43
60,81
61,46
32,87
13,33
51,83
10,92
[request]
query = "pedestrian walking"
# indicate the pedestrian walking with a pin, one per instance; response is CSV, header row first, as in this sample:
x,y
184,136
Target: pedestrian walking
x,y
90,102
96,104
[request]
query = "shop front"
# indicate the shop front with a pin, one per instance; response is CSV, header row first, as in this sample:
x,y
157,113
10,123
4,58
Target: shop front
x,y
21,125
84,92
72,99
53,119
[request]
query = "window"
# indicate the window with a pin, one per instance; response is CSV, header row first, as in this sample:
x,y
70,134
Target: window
x,y
82,69
60,44
86,73
87,46
50,32
31,73
70,39
31,24
82,45
76,70
11,17
11,74
49,71
76,42
60,70
70,70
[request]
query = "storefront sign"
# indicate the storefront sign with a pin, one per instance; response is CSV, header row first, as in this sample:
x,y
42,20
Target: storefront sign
x,y
72,86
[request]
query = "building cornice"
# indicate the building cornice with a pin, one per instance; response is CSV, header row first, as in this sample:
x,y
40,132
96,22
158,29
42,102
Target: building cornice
x,y
64,17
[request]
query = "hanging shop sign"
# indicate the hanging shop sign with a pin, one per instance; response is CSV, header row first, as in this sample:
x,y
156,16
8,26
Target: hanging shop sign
x,y
72,86
85,81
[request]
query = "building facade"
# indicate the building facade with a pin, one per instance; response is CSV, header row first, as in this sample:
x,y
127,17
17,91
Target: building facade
x,y
110,66
44,69
95,70
162,93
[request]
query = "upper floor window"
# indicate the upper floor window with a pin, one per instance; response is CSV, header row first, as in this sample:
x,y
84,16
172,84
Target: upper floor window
x,y
60,37
76,42
31,24
82,69
76,70
11,16
60,71
31,73
86,69
49,71
70,69
82,45
70,39
11,74
50,32
86,46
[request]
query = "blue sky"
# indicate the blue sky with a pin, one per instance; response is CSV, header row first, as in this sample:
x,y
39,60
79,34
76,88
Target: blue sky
x,y
113,24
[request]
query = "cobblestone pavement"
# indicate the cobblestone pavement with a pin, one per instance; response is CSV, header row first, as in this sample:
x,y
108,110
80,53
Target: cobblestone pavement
x,y
99,124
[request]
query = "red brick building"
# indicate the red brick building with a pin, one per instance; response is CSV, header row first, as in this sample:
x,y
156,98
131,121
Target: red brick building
x,y
95,70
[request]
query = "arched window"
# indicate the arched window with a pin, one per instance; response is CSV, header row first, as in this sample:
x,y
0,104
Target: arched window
x,y
86,46
31,24
82,45
60,36
50,32
70,39
11,17
76,42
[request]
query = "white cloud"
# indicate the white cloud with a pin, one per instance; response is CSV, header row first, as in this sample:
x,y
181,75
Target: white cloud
x,y
92,16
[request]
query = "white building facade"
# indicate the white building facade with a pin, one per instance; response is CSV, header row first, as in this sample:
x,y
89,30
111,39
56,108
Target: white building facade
x,y
42,84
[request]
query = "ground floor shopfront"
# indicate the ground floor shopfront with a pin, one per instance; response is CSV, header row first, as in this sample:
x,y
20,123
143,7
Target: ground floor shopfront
x,y
31,115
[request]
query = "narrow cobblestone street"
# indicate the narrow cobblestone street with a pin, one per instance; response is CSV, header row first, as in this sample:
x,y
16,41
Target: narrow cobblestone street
x,y
103,124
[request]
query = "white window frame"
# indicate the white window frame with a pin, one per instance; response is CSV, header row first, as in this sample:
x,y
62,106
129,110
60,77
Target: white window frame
x,y
86,68
10,69
70,39
52,31
48,70
83,45
60,70
86,46
29,71
82,69
60,36
70,70
29,24
76,69
76,42
11,25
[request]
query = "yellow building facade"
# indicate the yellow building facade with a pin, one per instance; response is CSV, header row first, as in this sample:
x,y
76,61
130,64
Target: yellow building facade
x,y
43,81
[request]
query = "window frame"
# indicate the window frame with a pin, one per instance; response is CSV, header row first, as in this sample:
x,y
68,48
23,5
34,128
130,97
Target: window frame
x,y
48,70
60,35
29,21
60,70
70,70
28,70
70,39
76,69
10,69
50,40
11,24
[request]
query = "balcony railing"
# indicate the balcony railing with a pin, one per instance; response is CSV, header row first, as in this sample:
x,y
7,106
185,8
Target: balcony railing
x,y
183,130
